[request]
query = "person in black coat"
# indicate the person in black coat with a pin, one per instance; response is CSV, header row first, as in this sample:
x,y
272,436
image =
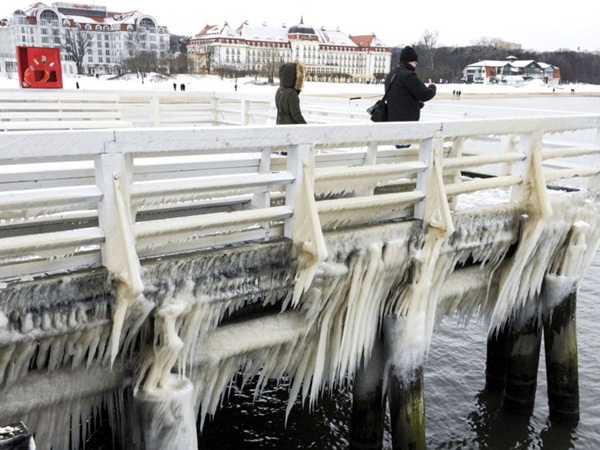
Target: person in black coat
x,y
406,93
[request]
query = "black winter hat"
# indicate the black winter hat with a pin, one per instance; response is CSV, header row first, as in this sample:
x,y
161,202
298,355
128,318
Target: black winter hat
x,y
408,54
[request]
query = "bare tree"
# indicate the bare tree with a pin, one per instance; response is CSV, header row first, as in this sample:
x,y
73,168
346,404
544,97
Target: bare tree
x,y
142,63
271,61
208,57
429,42
76,44
178,55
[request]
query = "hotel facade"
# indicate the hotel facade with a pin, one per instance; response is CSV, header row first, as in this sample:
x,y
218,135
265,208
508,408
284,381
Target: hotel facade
x,y
328,55
113,36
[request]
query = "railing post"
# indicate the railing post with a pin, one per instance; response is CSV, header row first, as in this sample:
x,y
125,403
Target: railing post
x,y
532,189
425,155
111,168
245,109
215,104
119,256
594,182
262,199
434,209
370,160
508,146
304,226
155,110
297,155
454,177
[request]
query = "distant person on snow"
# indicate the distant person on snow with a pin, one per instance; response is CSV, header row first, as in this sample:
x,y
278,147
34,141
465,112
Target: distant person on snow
x,y
287,100
406,93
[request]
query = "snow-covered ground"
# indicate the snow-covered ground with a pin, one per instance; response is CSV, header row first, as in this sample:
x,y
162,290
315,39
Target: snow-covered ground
x,y
250,85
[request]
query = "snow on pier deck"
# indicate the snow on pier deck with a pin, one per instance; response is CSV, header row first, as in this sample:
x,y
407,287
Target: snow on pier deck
x,y
132,255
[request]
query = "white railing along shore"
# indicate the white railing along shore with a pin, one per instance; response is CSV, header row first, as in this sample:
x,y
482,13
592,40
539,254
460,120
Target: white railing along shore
x,y
50,109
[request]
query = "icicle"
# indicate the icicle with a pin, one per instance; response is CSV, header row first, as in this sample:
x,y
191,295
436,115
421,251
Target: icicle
x,y
307,234
128,273
155,369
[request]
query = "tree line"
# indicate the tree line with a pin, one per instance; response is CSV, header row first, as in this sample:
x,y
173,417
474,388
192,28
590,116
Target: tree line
x,y
447,63
435,62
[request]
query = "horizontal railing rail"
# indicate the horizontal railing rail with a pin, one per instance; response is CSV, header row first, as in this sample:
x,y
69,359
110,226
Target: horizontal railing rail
x,y
75,199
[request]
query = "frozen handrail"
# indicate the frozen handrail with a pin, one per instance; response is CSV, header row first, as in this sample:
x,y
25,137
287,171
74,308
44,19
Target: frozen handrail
x,y
190,180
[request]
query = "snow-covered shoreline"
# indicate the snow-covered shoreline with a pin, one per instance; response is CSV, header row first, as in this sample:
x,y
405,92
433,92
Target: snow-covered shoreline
x,y
203,83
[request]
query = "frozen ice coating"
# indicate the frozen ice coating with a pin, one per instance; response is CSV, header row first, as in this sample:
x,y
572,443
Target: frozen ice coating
x,y
331,330
192,284
307,233
125,266
155,370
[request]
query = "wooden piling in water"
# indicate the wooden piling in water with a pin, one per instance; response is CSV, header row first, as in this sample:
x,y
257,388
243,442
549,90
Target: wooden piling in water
x,y
560,344
525,341
368,404
167,418
405,390
497,359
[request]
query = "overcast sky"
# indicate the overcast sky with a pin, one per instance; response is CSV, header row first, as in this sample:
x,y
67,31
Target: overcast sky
x,y
540,27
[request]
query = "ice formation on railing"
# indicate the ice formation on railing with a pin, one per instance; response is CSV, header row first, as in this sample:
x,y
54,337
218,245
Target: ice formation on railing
x,y
345,282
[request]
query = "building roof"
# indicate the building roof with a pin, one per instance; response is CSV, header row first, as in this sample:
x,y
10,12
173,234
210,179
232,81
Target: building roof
x,y
516,64
301,28
87,14
368,40
490,63
268,33
335,37
523,63
262,32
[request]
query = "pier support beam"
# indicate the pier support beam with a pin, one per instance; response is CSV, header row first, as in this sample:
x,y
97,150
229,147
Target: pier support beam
x,y
167,418
368,406
525,342
405,388
497,359
560,343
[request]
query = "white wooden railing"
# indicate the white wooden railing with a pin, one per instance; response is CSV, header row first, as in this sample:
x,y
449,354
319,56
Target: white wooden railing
x,y
39,109
75,199
218,109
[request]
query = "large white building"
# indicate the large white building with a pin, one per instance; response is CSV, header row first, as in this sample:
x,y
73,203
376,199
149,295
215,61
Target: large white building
x,y
326,54
113,36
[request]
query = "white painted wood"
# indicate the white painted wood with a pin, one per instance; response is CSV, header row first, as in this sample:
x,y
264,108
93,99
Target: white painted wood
x,y
198,187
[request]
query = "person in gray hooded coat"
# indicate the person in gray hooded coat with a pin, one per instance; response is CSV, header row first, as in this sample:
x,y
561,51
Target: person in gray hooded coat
x,y
287,100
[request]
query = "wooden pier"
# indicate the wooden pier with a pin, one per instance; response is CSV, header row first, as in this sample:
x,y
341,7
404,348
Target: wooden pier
x,y
147,267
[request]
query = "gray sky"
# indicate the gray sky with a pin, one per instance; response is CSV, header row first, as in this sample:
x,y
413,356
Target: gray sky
x,y
541,27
